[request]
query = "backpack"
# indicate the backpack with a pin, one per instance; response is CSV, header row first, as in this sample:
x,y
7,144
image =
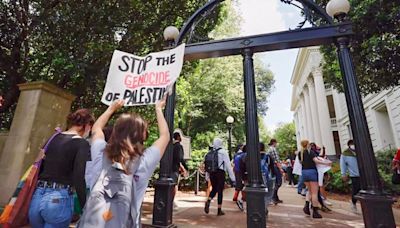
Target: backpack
x,y
211,161
242,165
237,159
265,163
109,203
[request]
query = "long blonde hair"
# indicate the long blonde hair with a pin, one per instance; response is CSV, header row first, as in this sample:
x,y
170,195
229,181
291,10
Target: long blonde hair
x,y
304,144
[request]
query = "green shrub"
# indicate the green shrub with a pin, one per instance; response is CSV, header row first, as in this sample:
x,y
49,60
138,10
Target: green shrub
x,y
335,182
197,158
384,160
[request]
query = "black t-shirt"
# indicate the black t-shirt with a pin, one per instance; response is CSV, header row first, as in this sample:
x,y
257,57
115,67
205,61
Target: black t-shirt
x,y
65,163
306,158
178,157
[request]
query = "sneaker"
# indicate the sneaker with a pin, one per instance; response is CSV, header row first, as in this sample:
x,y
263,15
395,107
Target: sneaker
x,y
207,207
239,203
279,201
327,203
353,208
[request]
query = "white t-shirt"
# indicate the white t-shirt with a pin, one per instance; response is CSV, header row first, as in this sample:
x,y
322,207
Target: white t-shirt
x,y
147,164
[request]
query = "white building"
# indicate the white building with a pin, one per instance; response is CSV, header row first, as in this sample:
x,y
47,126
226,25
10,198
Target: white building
x,y
320,112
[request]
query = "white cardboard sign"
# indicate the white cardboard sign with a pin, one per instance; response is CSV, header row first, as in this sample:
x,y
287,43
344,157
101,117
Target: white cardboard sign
x,y
142,80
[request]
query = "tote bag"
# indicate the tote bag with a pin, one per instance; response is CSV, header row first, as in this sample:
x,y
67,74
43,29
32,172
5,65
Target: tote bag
x,y
15,213
297,167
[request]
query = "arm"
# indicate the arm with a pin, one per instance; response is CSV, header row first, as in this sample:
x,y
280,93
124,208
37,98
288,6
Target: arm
x,y
181,159
228,167
321,161
97,129
162,142
323,152
343,166
78,173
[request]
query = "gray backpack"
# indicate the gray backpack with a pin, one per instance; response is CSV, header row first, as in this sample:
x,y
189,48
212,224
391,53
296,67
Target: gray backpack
x,y
110,201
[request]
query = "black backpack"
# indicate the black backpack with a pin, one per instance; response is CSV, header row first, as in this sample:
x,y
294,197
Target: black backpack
x,y
211,161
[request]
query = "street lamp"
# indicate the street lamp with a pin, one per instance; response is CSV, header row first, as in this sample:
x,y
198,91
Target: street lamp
x,y
229,121
164,186
170,34
336,7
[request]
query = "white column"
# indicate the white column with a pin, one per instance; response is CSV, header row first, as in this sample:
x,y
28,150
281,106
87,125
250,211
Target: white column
x,y
310,128
299,133
303,118
314,112
324,119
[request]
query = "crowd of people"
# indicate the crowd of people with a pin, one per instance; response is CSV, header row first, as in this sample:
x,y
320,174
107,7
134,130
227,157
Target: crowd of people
x,y
310,164
110,174
109,170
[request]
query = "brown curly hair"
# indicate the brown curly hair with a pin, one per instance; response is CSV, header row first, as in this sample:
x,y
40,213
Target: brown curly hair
x,y
127,138
80,117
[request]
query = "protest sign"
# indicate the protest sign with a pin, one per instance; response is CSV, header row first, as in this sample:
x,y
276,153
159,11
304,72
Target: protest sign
x,y
142,80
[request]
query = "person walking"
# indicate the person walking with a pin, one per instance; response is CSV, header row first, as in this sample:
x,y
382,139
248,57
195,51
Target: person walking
x,y
348,164
268,174
62,172
321,199
126,168
278,169
237,160
218,176
289,169
396,168
178,162
308,159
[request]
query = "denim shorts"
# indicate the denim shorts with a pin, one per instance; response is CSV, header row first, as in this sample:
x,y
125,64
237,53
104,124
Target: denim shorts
x,y
309,175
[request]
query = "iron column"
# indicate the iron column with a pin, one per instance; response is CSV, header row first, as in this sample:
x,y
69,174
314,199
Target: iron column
x,y
230,140
376,205
164,186
255,189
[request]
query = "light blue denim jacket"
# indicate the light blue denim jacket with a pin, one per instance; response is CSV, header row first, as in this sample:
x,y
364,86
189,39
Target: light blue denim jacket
x,y
349,163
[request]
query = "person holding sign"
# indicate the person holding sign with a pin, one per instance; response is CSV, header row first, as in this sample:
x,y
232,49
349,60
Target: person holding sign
x,y
126,167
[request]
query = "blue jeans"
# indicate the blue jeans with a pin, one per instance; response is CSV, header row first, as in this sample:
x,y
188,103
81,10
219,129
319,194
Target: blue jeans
x,y
300,184
51,208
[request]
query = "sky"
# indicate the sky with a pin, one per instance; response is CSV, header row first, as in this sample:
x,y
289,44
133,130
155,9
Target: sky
x,y
266,16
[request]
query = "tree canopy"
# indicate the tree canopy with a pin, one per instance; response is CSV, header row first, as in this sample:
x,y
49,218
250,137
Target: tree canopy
x,y
375,46
285,134
70,43
215,89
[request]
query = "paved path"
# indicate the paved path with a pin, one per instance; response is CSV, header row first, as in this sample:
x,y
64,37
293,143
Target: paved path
x,y
289,214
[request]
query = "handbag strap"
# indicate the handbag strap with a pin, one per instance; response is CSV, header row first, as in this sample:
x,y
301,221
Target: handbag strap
x,y
38,162
58,131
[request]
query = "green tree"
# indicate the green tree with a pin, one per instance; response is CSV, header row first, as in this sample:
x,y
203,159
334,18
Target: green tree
x,y
285,134
375,46
70,43
214,90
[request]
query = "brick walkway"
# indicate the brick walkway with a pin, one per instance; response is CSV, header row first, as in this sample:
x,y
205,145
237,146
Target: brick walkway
x,y
289,214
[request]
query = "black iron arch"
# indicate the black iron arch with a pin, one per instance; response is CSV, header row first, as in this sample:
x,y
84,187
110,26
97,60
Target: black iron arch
x,y
324,31
309,8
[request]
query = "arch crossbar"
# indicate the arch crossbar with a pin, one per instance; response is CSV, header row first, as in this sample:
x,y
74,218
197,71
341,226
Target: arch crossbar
x,y
309,8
